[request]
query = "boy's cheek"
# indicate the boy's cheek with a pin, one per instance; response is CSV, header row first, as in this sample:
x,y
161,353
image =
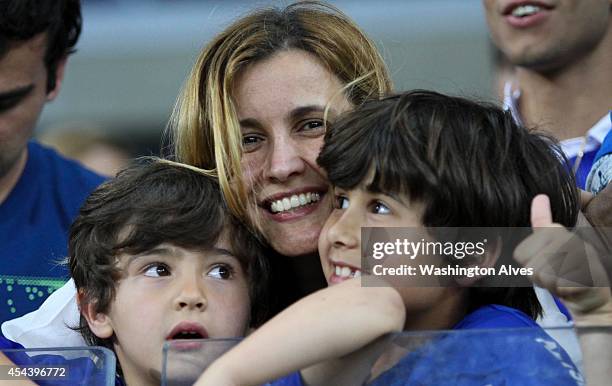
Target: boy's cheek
x,y
229,312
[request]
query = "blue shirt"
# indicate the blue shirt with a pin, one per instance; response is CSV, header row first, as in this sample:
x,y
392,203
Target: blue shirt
x,y
606,146
34,222
487,356
601,173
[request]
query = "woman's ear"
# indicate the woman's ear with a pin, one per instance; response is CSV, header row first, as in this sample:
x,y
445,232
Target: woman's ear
x,y
486,260
99,323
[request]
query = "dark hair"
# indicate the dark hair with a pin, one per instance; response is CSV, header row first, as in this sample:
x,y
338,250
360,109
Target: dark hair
x,y
155,202
60,19
468,163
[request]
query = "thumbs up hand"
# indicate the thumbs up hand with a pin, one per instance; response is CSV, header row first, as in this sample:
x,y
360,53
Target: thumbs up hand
x,y
568,265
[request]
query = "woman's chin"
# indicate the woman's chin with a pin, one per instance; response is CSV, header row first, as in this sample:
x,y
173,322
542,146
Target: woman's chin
x,y
293,242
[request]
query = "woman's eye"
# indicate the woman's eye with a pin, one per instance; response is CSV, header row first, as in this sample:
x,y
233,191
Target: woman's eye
x,y
221,272
157,270
251,141
380,208
313,127
342,202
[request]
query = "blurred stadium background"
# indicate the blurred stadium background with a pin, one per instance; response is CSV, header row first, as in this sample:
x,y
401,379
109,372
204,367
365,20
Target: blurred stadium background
x,y
133,56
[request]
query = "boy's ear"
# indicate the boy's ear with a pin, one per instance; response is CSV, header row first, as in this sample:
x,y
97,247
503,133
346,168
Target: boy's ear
x,y
99,323
488,260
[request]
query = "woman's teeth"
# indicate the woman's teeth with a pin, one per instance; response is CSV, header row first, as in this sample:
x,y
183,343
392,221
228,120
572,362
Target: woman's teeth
x,y
293,202
346,272
525,10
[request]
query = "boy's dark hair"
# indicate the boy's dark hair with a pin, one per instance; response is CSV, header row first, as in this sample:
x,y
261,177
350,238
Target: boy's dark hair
x,y
468,163
150,204
23,19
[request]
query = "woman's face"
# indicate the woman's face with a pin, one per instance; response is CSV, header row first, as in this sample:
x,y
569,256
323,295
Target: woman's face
x,y
280,104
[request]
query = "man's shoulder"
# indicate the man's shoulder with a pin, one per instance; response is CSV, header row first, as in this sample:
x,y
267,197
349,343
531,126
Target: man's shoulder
x,y
67,182
59,167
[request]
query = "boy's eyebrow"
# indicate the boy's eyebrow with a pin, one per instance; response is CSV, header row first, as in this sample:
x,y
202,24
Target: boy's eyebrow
x,y
393,195
222,251
170,251
162,251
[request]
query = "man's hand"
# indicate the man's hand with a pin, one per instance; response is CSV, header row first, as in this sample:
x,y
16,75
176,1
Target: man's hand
x,y
567,265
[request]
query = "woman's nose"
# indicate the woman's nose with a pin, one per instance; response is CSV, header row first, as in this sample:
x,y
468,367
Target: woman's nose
x,y
284,160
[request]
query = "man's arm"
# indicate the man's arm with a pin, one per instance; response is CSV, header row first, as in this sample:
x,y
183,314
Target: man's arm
x,y
5,361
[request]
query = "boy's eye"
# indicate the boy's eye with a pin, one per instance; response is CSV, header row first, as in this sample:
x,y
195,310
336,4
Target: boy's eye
x,y
380,208
157,270
221,272
341,202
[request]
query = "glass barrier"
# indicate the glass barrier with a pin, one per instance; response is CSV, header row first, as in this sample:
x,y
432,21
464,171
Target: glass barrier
x,y
496,357
91,366
524,356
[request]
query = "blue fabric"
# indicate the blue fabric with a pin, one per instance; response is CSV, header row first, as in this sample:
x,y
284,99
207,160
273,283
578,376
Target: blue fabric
x,y
290,380
590,158
495,316
601,173
563,309
34,223
606,146
586,163
527,357
9,344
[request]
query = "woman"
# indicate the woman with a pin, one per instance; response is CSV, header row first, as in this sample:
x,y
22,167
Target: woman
x,y
253,110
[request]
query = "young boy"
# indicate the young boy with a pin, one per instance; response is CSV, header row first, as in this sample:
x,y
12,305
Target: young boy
x,y
418,159
155,257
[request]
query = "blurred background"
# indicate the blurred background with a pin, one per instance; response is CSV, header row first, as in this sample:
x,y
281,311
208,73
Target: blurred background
x,y
133,56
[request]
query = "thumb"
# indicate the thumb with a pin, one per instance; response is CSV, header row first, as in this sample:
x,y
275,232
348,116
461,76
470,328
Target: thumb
x,y
541,215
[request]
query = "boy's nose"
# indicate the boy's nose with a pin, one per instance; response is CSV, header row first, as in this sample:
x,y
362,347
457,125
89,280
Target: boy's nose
x,y
344,232
191,295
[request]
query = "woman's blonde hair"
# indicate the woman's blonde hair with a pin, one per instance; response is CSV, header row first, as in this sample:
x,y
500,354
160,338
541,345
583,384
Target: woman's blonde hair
x,y
204,126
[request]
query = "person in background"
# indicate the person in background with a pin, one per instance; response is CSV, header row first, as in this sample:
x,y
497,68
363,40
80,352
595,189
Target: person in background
x,y
40,191
560,51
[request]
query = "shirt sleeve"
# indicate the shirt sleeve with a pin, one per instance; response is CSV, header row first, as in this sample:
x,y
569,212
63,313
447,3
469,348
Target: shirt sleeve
x,y
294,379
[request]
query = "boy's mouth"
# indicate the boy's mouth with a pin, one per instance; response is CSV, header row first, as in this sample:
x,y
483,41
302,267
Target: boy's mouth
x,y
187,330
342,272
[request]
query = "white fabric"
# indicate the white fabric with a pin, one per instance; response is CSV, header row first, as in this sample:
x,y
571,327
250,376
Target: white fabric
x,y
556,323
49,326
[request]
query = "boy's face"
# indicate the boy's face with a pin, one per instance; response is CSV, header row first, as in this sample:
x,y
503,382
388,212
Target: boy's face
x,y
172,293
340,241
